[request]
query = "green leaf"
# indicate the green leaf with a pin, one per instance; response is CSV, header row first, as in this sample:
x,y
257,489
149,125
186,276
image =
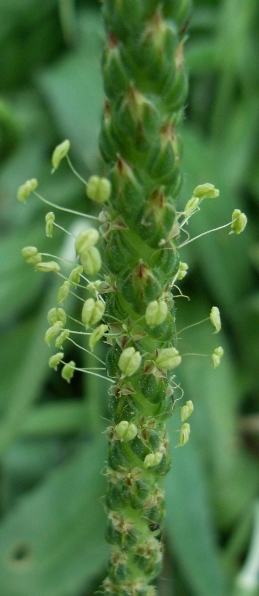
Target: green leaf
x,y
189,523
52,542
73,89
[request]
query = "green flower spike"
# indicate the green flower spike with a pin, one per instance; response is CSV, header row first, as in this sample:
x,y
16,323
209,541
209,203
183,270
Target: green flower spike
x,y
145,85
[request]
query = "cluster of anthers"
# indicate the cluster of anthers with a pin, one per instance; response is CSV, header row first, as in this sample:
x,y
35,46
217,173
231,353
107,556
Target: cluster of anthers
x,y
95,323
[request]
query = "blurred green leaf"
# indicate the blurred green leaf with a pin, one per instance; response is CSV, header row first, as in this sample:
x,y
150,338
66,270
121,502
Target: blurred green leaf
x,y
189,523
52,542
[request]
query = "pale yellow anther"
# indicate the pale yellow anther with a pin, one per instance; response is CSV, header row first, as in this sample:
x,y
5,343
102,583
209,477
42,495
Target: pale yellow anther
x,y
59,153
129,361
215,318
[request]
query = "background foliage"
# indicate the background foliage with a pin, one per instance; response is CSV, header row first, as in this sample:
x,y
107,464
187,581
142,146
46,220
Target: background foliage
x,y
51,442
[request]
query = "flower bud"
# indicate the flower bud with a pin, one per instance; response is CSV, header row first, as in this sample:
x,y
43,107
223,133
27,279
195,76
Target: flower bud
x,y
55,315
97,334
184,434
191,206
126,430
168,358
156,312
92,311
53,331
63,291
152,459
182,271
129,361
91,260
48,266
68,371
75,275
98,189
49,219
206,191
216,356
55,360
186,410
62,338
26,189
59,153
239,221
215,318
86,239
31,255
